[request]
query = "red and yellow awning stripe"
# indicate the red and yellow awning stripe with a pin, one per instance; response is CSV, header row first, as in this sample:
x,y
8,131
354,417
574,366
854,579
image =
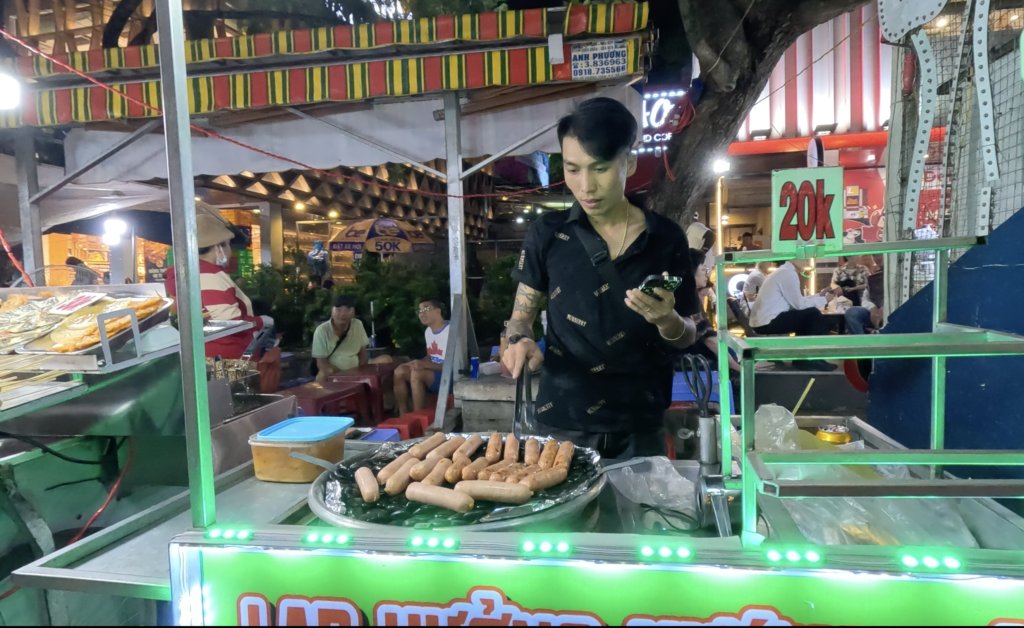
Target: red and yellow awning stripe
x,y
337,83
606,19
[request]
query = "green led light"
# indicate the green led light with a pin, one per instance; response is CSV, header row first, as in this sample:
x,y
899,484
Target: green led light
x,y
529,546
416,541
243,535
229,534
342,539
449,543
909,561
562,547
214,533
774,556
930,562
647,550
682,552
433,542
951,563
812,556
545,547
792,556
665,552
313,537
327,538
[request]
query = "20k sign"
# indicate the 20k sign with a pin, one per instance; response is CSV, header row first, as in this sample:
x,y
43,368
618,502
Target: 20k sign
x,y
807,208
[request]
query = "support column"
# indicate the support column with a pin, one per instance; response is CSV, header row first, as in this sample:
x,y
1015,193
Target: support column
x,y
28,186
456,216
180,184
122,259
275,235
940,294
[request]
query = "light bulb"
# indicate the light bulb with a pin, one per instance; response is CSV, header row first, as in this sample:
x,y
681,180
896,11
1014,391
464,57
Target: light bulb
x,y
10,92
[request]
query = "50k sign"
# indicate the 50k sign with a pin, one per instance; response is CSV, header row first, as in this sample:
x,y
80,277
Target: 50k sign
x,y
807,208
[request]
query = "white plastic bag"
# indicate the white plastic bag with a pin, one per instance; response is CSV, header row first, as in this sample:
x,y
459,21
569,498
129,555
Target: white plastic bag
x,y
657,484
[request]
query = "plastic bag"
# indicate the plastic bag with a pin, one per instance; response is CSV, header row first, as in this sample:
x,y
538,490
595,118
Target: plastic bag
x,y
654,483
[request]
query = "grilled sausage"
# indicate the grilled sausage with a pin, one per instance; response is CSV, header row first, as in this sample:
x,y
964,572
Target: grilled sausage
x,y
400,480
368,486
473,470
512,448
493,448
496,491
564,457
544,479
437,496
532,455
521,474
547,459
422,449
469,447
393,467
454,472
437,476
423,469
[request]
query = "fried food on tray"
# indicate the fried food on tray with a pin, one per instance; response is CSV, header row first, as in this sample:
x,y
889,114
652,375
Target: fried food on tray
x,y
82,332
15,301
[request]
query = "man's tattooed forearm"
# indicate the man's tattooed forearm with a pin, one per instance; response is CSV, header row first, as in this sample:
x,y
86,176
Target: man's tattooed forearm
x,y
528,300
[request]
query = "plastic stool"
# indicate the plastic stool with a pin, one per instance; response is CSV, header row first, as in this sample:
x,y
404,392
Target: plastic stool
x,y
424,416
407,426
671,454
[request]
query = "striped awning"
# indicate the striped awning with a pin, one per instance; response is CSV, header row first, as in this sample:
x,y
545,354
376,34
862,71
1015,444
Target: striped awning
x,y
599,19
330,83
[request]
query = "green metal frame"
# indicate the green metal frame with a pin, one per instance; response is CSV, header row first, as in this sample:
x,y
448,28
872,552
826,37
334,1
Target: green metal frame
x,y
945,341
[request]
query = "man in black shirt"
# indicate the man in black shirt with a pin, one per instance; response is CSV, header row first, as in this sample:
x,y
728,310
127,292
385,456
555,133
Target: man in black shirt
x,y
607,378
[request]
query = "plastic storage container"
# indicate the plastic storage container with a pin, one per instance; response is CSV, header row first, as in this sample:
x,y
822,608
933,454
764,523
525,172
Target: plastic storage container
x,y
321,437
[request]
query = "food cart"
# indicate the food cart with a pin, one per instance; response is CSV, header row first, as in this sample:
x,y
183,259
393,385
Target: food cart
x,y
234,550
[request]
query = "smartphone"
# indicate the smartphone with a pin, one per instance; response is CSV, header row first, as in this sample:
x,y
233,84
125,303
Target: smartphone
x,y
659,281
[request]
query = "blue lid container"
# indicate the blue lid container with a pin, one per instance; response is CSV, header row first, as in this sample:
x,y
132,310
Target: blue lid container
x,y
383,436
305,429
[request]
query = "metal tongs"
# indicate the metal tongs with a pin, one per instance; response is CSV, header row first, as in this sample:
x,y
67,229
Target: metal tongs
x,y
524,414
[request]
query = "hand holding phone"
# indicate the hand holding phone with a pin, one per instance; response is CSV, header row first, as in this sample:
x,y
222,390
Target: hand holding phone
x,y
659,281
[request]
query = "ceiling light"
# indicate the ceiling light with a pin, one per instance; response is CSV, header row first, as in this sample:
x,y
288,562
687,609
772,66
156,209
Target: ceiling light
x,y
256,211
198,199
725,220
1014,17
760,136
519,220
300,206
504,198
332,214
10,92
826,129
111,239
942,22
114,226
721,166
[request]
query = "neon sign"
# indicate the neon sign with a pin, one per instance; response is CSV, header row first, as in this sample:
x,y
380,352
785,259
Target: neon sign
x,y
656,107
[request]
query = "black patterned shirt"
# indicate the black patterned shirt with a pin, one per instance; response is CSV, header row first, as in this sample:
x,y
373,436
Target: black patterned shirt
x,y
606,369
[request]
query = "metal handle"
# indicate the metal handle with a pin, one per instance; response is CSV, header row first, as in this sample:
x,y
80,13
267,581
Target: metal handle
x,y
102,318
525,410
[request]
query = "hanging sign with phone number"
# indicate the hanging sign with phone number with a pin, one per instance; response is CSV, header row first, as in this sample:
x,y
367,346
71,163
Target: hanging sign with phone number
x,y
807,209
599,60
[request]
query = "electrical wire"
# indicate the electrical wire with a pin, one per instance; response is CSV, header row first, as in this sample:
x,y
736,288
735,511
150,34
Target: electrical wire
x,y
260,151
110,496
734,31
52,452
17,264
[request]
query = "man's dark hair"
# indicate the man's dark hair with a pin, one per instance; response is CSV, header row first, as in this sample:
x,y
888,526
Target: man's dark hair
x,y
434,303
602,126
747,234
328,284
344,300
203,250
73,261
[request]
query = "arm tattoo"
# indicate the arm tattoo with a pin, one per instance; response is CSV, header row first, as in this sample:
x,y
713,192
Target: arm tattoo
x,y
528,302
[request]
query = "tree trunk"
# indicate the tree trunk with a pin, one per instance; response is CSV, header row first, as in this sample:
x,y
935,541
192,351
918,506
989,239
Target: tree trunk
x,y
736,63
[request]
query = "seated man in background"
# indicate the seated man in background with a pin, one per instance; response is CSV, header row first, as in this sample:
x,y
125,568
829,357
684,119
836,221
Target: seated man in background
x,y
781,310
423,376
706,343
341,343
755,280
869,313
852,277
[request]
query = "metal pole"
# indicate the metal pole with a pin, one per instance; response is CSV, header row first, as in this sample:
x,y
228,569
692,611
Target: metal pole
x,y
724,399
186,261
456,217
749,496
940,294
28,186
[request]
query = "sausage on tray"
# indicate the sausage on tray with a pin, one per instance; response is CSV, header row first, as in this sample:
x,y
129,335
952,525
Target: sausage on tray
x,y
564,457
547,459
422,469
393,467
532,455
400,480
437,496
469,447
544,479
454,472
437,476
368,486
448,449
521,474
512,448
473,470
493,448
501,474
496,491
421,450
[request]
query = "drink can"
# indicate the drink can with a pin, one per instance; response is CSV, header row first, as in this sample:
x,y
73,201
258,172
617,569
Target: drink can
x,y
373,341
474,368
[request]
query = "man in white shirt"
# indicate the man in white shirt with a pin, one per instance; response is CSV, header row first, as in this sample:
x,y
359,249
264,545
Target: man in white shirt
x,y
781,310
423,376
755,280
